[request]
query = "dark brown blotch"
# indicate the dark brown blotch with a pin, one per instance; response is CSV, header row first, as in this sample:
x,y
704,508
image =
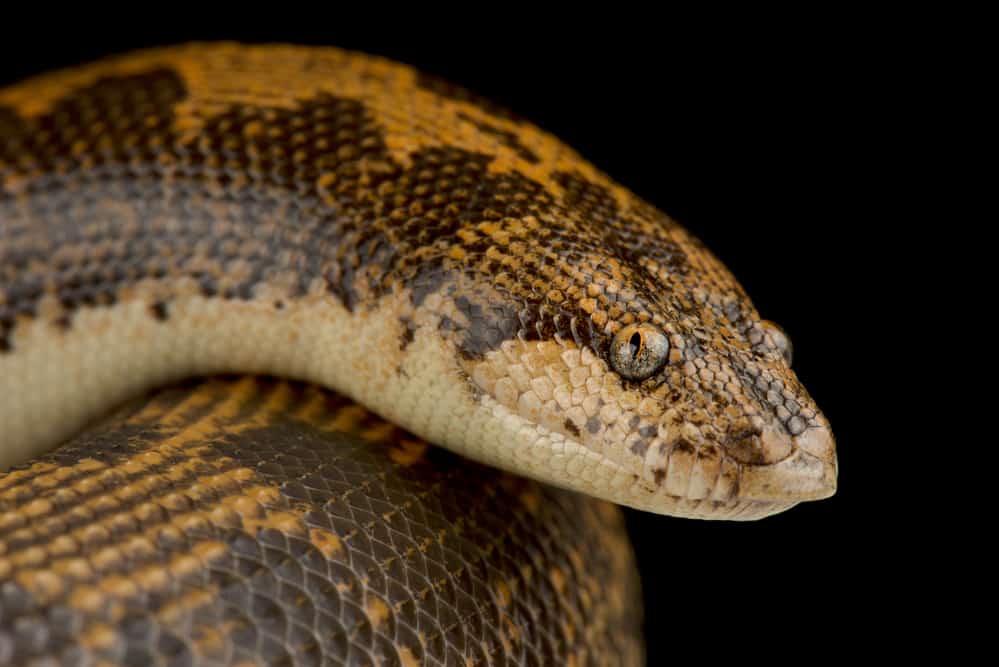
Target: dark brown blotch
x,y
507,138
160,311
489,324
63,322
14,132
128,117
685,446
639,447
625,234
408,333
81,145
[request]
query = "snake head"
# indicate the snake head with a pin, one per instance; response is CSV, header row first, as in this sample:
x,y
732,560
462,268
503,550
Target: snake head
x,y
721,429
632,365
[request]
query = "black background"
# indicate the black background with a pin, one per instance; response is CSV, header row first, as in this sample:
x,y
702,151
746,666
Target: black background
x,y
747,132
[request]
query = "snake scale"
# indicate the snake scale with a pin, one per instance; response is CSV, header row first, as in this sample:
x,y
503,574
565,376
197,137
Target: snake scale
x,y
358,227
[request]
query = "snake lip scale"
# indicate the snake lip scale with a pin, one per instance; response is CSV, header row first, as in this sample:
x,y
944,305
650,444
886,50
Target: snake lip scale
x,y
337,218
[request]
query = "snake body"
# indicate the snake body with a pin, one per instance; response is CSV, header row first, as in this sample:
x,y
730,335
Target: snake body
x,y
340,219
254,521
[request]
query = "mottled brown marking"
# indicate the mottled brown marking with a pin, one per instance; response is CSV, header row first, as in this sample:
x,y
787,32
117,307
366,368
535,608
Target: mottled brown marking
x,y
639,447
506,137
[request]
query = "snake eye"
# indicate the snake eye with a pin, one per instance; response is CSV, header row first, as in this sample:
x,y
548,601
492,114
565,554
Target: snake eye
x,y
638,351
780,339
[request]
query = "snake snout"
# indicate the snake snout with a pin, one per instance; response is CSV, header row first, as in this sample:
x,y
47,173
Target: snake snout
x,y
809,472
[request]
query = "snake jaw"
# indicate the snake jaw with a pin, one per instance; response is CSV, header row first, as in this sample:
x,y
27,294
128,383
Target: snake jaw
x,y
694,486
742,491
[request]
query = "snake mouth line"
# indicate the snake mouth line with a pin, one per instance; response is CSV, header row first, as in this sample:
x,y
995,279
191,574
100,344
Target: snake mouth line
x,y
631,489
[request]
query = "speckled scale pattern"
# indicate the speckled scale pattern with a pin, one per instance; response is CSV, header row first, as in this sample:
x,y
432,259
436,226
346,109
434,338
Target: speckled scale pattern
x,y
278,182
253,521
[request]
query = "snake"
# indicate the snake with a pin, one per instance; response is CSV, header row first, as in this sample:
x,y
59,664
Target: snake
x,y
309,357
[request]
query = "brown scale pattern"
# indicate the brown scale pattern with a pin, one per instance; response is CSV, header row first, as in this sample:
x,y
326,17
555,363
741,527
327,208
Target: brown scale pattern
x,y
395,225
506,137
315,172
173,533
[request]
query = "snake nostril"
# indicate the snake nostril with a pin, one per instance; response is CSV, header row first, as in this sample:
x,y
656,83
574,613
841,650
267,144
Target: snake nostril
x,y
759,446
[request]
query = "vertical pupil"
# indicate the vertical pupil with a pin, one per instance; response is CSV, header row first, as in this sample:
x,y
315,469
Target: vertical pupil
x,y
635,344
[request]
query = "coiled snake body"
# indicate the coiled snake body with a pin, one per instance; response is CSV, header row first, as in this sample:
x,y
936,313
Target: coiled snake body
x,y
335,218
